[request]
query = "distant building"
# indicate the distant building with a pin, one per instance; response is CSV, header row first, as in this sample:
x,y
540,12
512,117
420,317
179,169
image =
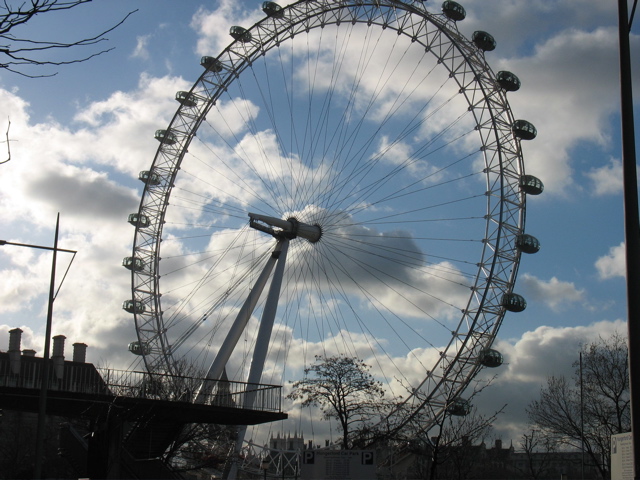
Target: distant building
x,y
482,462
295,443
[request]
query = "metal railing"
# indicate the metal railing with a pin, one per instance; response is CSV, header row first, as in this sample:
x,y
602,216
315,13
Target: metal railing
x,y
184,389
86,379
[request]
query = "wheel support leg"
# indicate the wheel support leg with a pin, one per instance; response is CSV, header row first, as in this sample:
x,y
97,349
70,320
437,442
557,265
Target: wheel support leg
x,y
239,324
262,346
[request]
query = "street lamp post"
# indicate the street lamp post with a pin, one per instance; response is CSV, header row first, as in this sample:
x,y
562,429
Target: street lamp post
x,y
631,223
264,465
42,403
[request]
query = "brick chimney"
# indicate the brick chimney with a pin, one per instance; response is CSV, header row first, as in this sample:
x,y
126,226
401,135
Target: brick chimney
x,y
80,352
58,355
15,337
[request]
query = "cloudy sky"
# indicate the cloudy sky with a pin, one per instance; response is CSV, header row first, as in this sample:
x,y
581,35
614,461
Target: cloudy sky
x,y
78,140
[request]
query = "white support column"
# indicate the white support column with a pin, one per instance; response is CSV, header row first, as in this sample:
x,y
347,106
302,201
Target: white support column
x,y
262,346
239,324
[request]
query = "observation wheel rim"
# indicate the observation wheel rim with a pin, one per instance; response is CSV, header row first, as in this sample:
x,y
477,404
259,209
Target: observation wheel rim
x,y
145,288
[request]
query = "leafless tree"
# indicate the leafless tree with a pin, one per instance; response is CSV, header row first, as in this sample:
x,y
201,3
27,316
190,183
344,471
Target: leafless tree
x,y
604,409
19,52
453,446
458,448
344,389
537,448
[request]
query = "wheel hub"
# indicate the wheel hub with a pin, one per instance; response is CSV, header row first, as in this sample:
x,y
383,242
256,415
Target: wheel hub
x,y
290,228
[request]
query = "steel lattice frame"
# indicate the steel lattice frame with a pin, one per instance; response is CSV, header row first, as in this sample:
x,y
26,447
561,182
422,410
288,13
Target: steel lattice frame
x,y
497,269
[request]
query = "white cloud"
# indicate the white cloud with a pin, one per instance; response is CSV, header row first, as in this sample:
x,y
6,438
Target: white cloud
x,y
607,180
613,264
213,26
580,113
556,294
529,360
87,174
141,51
564,58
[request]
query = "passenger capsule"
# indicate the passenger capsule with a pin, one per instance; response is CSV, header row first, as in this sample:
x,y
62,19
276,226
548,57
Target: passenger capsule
x,y
139,348
139,220
491,358
514,302
531,185
165,136
133,263
508,81
272,9
527,243
187,99
453,11
241,34
149,178
133,306
483,40
524,130
459,408
211,64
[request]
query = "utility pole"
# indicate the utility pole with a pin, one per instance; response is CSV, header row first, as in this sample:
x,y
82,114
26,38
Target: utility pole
x,y
631,223
44,385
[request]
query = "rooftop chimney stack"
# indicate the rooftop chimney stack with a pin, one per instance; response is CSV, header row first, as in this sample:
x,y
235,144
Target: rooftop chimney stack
x,y
80,352
58,355
15,337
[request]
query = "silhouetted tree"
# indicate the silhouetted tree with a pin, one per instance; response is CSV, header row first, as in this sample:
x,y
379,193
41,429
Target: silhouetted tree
x,y
537,447
344,389
18,52
452,446
605,406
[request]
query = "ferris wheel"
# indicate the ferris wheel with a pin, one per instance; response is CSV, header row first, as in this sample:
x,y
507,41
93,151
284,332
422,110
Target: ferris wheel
x,y
345,178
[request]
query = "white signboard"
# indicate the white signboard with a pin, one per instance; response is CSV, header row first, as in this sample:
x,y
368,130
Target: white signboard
x,y
622,457
338,465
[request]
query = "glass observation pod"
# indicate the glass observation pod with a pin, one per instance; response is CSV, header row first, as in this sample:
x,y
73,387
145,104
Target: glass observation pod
x,y
453,11
138,220
514,302
524,130
149,178
531,185
272,9
133,263
508,81
211,64
241,34
139,348
165,136
491,358
527,243
483,40
133,306
459,407
187,99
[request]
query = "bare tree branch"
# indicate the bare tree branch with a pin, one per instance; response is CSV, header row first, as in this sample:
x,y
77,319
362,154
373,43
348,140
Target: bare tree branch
x,y
606,407
20,52
344,390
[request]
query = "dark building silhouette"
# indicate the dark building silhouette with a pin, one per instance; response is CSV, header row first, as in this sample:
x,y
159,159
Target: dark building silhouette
x,y
107,423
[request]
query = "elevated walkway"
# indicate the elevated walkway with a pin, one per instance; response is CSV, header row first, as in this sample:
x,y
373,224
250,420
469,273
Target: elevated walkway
x,y
136,416
82,387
